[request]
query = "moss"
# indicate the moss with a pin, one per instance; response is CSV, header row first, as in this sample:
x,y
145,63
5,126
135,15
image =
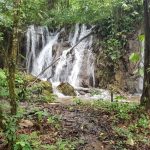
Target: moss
x,y
66,89
46,86
28,78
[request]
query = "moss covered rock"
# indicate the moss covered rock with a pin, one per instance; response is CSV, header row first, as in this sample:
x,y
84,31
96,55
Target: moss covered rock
x,y
66,89
28,78
46,86
40,87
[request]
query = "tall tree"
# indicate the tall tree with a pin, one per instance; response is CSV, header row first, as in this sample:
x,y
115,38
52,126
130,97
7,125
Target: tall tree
x,y
12,57
145,98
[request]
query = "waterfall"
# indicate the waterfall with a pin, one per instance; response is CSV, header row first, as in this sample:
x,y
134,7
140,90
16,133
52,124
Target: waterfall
x,y
37,37
141,66
74,66
79,55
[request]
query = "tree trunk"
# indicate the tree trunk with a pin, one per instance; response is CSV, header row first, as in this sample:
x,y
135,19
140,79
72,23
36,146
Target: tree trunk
x,y
11,74
1,118
12,58
145,98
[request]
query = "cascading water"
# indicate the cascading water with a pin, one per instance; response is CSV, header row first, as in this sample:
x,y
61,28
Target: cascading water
x,y
44,58
79,54
74,66
37,37
141,66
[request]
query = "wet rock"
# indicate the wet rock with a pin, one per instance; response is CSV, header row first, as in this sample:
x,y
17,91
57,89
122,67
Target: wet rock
x,y
85,77
47,86
66,89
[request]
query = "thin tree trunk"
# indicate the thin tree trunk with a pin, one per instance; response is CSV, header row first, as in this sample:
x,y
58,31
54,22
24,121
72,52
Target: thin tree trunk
x,y
11,73
12,58
145,98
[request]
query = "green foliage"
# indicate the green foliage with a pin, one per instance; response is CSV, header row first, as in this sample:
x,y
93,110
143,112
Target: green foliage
x,y
4,92
79,11
19,80
10,125
116,27
28,142
54,120
122,110
134,57
141,37
143,121
113,49
49,98
118,98
2,78
3,84
141,72
22,143
77,101
41,115
31,11
61,145
135,131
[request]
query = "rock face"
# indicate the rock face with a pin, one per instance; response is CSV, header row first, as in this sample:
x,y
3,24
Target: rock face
x,y
122,72
66,89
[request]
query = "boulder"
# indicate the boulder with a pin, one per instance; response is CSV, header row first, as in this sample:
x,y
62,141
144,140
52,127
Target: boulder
x,y
66,89
39,87
28,78
42,87
26,123
46,86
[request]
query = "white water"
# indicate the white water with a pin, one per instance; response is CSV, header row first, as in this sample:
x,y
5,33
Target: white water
x,y
34,42
141,66
70,66
79,54
45,58
73,67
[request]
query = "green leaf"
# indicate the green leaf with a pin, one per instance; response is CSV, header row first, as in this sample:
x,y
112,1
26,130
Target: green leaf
x,y
2,74
141,37
141,72
134,57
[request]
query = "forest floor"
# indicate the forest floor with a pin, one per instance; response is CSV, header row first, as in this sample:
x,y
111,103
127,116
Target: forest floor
x,y
79,126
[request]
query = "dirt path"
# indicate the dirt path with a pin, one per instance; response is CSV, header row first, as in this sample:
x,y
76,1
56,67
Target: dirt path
x,y
91,128
83,124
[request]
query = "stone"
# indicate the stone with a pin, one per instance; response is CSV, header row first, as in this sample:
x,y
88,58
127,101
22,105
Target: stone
x,y
66,89
39,87
26,123
46,86
28,78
